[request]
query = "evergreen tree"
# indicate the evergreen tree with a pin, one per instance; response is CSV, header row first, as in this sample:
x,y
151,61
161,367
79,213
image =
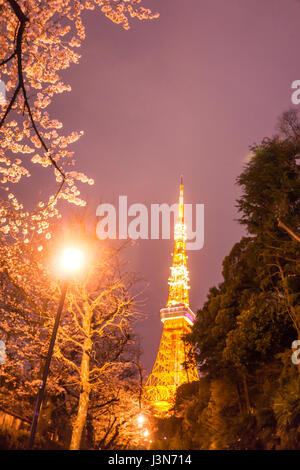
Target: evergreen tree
x,y
242,336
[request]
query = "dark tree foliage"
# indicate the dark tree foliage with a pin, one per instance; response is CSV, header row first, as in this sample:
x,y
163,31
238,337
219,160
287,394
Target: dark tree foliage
x,y
248,396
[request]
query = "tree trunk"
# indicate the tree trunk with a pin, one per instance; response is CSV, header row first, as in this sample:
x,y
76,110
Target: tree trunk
x,y
84,396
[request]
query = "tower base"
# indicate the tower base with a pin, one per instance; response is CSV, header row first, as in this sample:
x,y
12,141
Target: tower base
x,y
174,364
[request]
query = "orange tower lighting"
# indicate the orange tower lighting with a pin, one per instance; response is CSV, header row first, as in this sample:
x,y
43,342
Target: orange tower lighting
x,y
174,364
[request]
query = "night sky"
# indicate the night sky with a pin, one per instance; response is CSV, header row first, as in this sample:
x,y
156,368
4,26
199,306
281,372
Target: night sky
x,y
187,93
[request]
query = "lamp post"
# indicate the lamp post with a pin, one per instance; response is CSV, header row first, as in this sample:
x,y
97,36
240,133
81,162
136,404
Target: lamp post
x,y
71,261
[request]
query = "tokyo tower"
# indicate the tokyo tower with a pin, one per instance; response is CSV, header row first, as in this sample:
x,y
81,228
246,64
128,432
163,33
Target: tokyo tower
x,y
174,364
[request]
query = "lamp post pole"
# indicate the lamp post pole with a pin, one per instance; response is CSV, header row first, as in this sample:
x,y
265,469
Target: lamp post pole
x,y
42,385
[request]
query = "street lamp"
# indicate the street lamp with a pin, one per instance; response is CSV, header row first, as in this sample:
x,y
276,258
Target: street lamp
x,y
71,261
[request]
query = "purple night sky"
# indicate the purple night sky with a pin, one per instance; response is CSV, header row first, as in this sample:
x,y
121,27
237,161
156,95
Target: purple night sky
x,y
187,93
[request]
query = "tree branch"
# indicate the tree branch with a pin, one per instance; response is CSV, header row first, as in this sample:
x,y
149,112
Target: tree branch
x,y
8,59
288,230
23,19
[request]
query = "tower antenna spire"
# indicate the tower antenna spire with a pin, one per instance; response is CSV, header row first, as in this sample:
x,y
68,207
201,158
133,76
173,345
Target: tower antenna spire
x,y
179,278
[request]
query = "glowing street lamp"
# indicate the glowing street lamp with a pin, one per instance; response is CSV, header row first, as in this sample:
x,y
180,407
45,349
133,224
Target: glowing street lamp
x,y
141,420
71,261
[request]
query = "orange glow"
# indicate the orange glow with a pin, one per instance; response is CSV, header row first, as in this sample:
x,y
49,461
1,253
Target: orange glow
x,y
141,420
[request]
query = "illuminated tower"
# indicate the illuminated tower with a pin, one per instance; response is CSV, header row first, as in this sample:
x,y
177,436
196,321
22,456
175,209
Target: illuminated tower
x,y
174,364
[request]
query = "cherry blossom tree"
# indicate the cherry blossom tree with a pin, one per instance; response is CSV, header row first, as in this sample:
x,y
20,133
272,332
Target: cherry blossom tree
x,y
39,39
95,371
28,299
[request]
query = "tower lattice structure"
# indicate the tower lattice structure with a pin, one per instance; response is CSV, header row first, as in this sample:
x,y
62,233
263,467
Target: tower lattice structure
x,y
174,364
